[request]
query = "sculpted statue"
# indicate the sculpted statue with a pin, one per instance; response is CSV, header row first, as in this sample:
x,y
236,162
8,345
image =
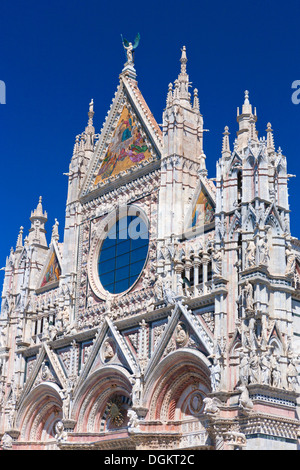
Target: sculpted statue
x,y
244,369
133,419
130,48
292,376
181,335
3,335
158,288
265,366
109,301
217,262
244,400
254,368
108,351
276,373
248,295
263,250
290,260
250,254
136,390
7,441
215,375
61,434
211,405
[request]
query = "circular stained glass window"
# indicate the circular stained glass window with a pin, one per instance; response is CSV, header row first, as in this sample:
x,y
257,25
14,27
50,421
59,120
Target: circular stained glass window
x,y
123,254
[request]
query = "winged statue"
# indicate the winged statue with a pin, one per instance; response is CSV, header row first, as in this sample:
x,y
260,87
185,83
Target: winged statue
x,y
130,48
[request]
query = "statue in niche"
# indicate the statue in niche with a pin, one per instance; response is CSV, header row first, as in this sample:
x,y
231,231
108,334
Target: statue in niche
x,y
3,335
168,294
292,376
136,390
52,331
66,401
252,335
265,366
248,295
217,262
66,320
254,368
158,288
290,260
276,372
45,371
108,302
244,368
108,350
215,374
263,250
250,254
181,336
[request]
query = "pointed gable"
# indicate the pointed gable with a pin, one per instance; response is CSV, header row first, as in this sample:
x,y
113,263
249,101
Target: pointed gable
x,y
126,149
51,271
202,209
130,140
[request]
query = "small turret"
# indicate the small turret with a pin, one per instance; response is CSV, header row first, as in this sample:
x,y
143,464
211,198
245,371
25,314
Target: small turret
x,y
246,121
37,232
226,153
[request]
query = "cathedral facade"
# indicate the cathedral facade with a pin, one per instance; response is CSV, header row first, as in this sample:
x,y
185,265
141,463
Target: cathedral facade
x,y
198,346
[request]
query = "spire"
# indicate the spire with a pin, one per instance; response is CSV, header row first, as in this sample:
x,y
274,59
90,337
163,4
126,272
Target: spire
x,y
170,95
55,234
196,104
183,79
226,145
38,212
38,219
246,120
19,244
90,130
247,107
270,139
183,61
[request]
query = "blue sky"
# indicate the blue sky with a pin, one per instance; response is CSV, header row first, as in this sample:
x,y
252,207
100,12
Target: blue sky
x,y
56,56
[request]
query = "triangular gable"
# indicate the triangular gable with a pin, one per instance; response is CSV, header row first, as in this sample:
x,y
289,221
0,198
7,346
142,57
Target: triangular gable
x,y
51,271
46,369
202,207
182,323
126,149
130,139
109,348
235,162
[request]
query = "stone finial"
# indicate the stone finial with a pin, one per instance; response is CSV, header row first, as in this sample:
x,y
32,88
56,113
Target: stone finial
x,y
170,95
183,60
37,231
55,234
20,239
246,108
38,212
270,138
226,144
183,79
88,140
196,104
